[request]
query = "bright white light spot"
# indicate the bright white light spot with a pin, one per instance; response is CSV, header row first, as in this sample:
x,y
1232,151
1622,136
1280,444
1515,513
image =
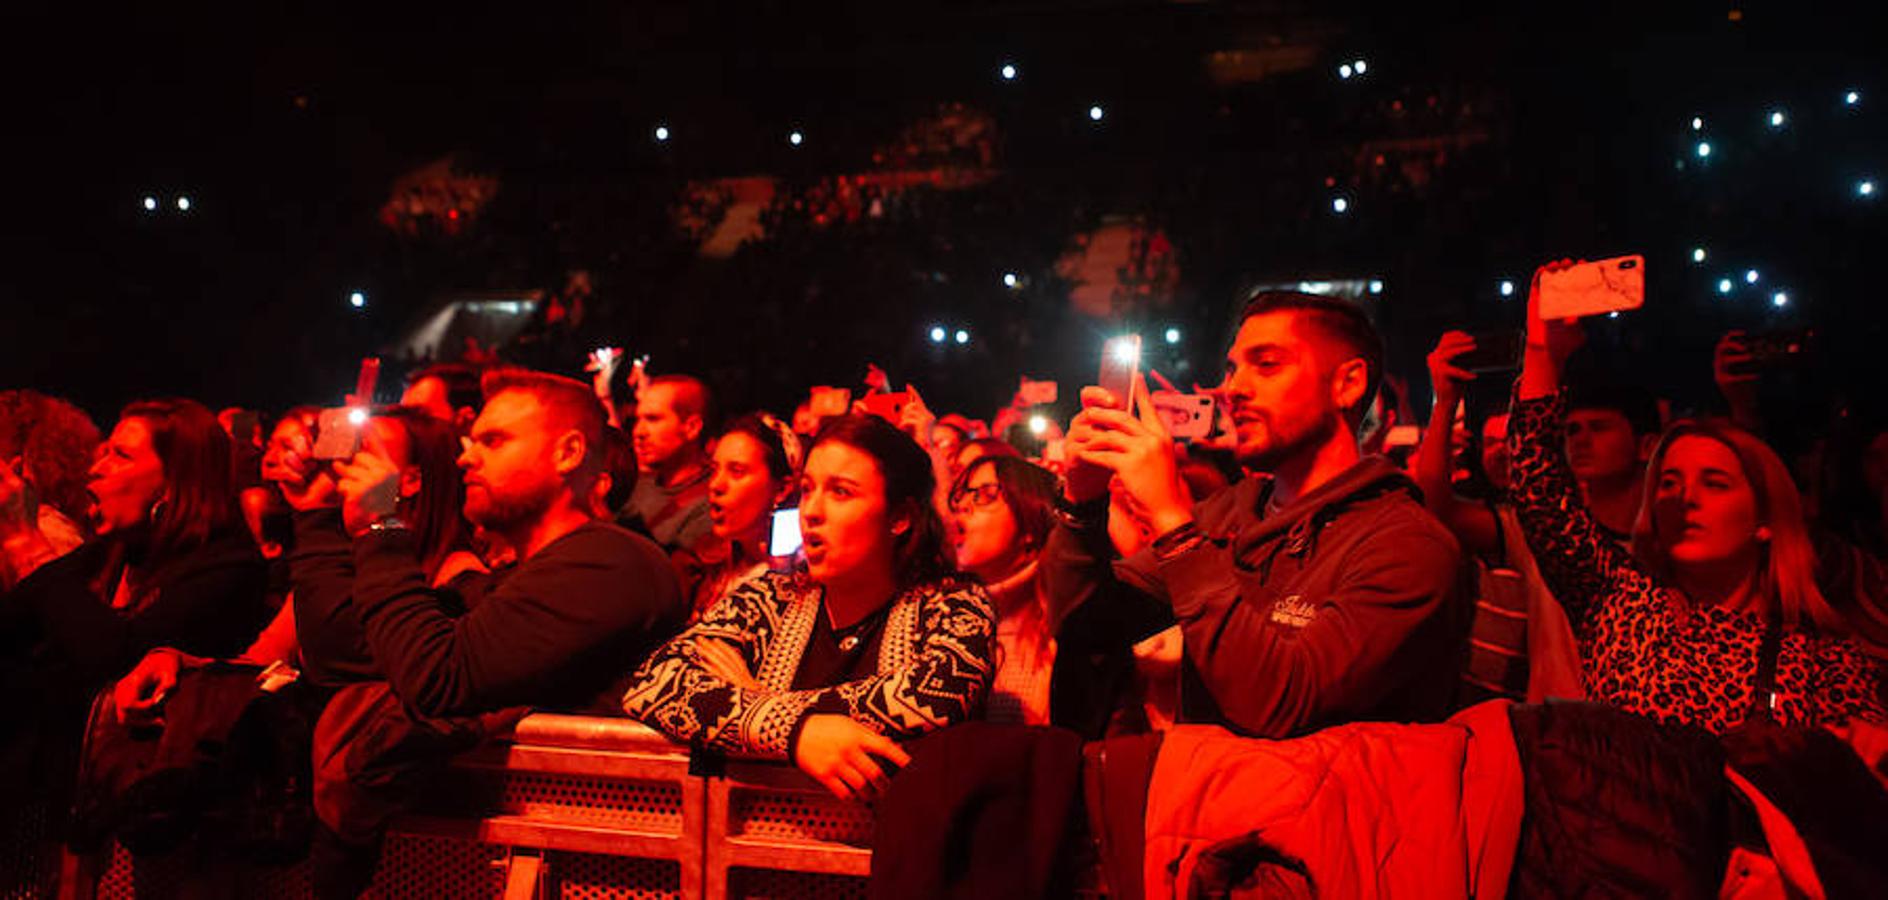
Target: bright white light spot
x,y
1173,335
962,336
1095,113
1125,350
662,133
1697,123
1613,315
937,334
1865,188
1724,285
1777,118
1360,67
150,204
1704,149
1507,288
1851,98
1010,279
795,138
1038,424
1780,299
357,299
357,416
1008,72
1697,254
183,204
1376,287
1340,205
1343,71
1751,276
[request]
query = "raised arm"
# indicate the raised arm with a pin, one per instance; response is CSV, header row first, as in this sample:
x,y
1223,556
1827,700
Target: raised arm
x,y
1580,561
1473,524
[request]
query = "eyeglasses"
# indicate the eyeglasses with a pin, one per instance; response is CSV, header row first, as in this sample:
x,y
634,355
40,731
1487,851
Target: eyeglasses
x,y
980,497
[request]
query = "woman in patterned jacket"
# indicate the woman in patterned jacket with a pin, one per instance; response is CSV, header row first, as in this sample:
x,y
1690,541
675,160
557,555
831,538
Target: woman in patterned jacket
x,y
875,640
1714,616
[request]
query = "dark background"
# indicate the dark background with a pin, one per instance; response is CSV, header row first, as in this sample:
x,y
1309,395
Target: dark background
x,y
287,126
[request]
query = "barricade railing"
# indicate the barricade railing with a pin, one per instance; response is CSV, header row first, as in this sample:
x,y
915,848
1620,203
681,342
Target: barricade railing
x,y
584,807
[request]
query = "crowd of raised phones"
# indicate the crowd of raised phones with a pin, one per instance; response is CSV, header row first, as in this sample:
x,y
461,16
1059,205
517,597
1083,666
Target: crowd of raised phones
x,y
1571,647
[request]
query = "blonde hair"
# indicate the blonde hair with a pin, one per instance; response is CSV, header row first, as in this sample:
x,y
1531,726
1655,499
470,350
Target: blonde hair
x,y
1786,578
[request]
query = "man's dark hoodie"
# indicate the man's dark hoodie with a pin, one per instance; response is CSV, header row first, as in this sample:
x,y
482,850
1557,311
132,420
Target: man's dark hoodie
x,y
1349,604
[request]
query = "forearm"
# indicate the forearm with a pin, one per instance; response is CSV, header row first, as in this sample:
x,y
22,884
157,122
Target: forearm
x,y
408,630
1078,567
1433,455
277,641
1540,372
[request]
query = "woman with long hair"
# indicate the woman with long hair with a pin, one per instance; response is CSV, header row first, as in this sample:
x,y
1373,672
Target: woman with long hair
x,y
1714,615
874,640
316,629
171,565
756,466
1073,669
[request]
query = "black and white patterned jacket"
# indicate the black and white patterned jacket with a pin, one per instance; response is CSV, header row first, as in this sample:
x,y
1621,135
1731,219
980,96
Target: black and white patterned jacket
x,y
934,667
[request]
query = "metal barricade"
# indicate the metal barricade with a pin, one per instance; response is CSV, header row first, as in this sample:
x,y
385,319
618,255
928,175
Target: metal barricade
x,y
581,808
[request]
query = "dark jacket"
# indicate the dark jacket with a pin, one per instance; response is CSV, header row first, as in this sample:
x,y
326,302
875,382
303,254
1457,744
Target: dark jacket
x,y
61,640
555,631
206,602
983,811
1349,604
333,645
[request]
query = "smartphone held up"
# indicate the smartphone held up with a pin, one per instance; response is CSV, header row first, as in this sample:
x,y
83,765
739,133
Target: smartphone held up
x,y
1120,363
338,430
1593,288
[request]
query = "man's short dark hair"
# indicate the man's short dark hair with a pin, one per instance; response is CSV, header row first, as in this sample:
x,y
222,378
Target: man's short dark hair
x,y
461,381
571,403
692,398
1636,404
1338,320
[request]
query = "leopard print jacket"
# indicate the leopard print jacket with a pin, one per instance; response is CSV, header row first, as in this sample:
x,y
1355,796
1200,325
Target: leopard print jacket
x,y
934,667
1642,648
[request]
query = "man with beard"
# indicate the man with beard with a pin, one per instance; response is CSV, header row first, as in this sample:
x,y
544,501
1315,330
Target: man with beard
x,y
1317,590
585,602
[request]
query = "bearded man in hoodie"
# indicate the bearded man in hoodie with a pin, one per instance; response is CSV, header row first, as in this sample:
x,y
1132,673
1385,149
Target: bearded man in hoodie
x,y
1317,590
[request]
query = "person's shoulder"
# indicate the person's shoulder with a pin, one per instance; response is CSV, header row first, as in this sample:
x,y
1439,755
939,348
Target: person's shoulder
x,y
778,588
1227,504
606,541
955,591
1397,520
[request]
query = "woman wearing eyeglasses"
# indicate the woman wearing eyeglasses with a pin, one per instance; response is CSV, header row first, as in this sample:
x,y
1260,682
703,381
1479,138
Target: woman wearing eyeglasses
x,y
1054,667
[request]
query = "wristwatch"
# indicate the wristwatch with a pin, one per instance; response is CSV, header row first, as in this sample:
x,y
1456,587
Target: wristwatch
x,y
1081,515
387,523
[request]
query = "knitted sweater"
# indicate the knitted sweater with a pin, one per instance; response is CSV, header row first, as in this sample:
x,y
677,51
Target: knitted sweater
x,y
934,667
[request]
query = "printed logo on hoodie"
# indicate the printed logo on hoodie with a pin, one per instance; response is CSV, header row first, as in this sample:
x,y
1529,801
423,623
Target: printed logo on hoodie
x,y
1294,611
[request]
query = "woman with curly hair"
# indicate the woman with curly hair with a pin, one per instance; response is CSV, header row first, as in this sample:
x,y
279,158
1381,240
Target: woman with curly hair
x,y
53,442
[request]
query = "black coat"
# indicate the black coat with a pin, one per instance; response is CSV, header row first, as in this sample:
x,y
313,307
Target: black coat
x,y
61,641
